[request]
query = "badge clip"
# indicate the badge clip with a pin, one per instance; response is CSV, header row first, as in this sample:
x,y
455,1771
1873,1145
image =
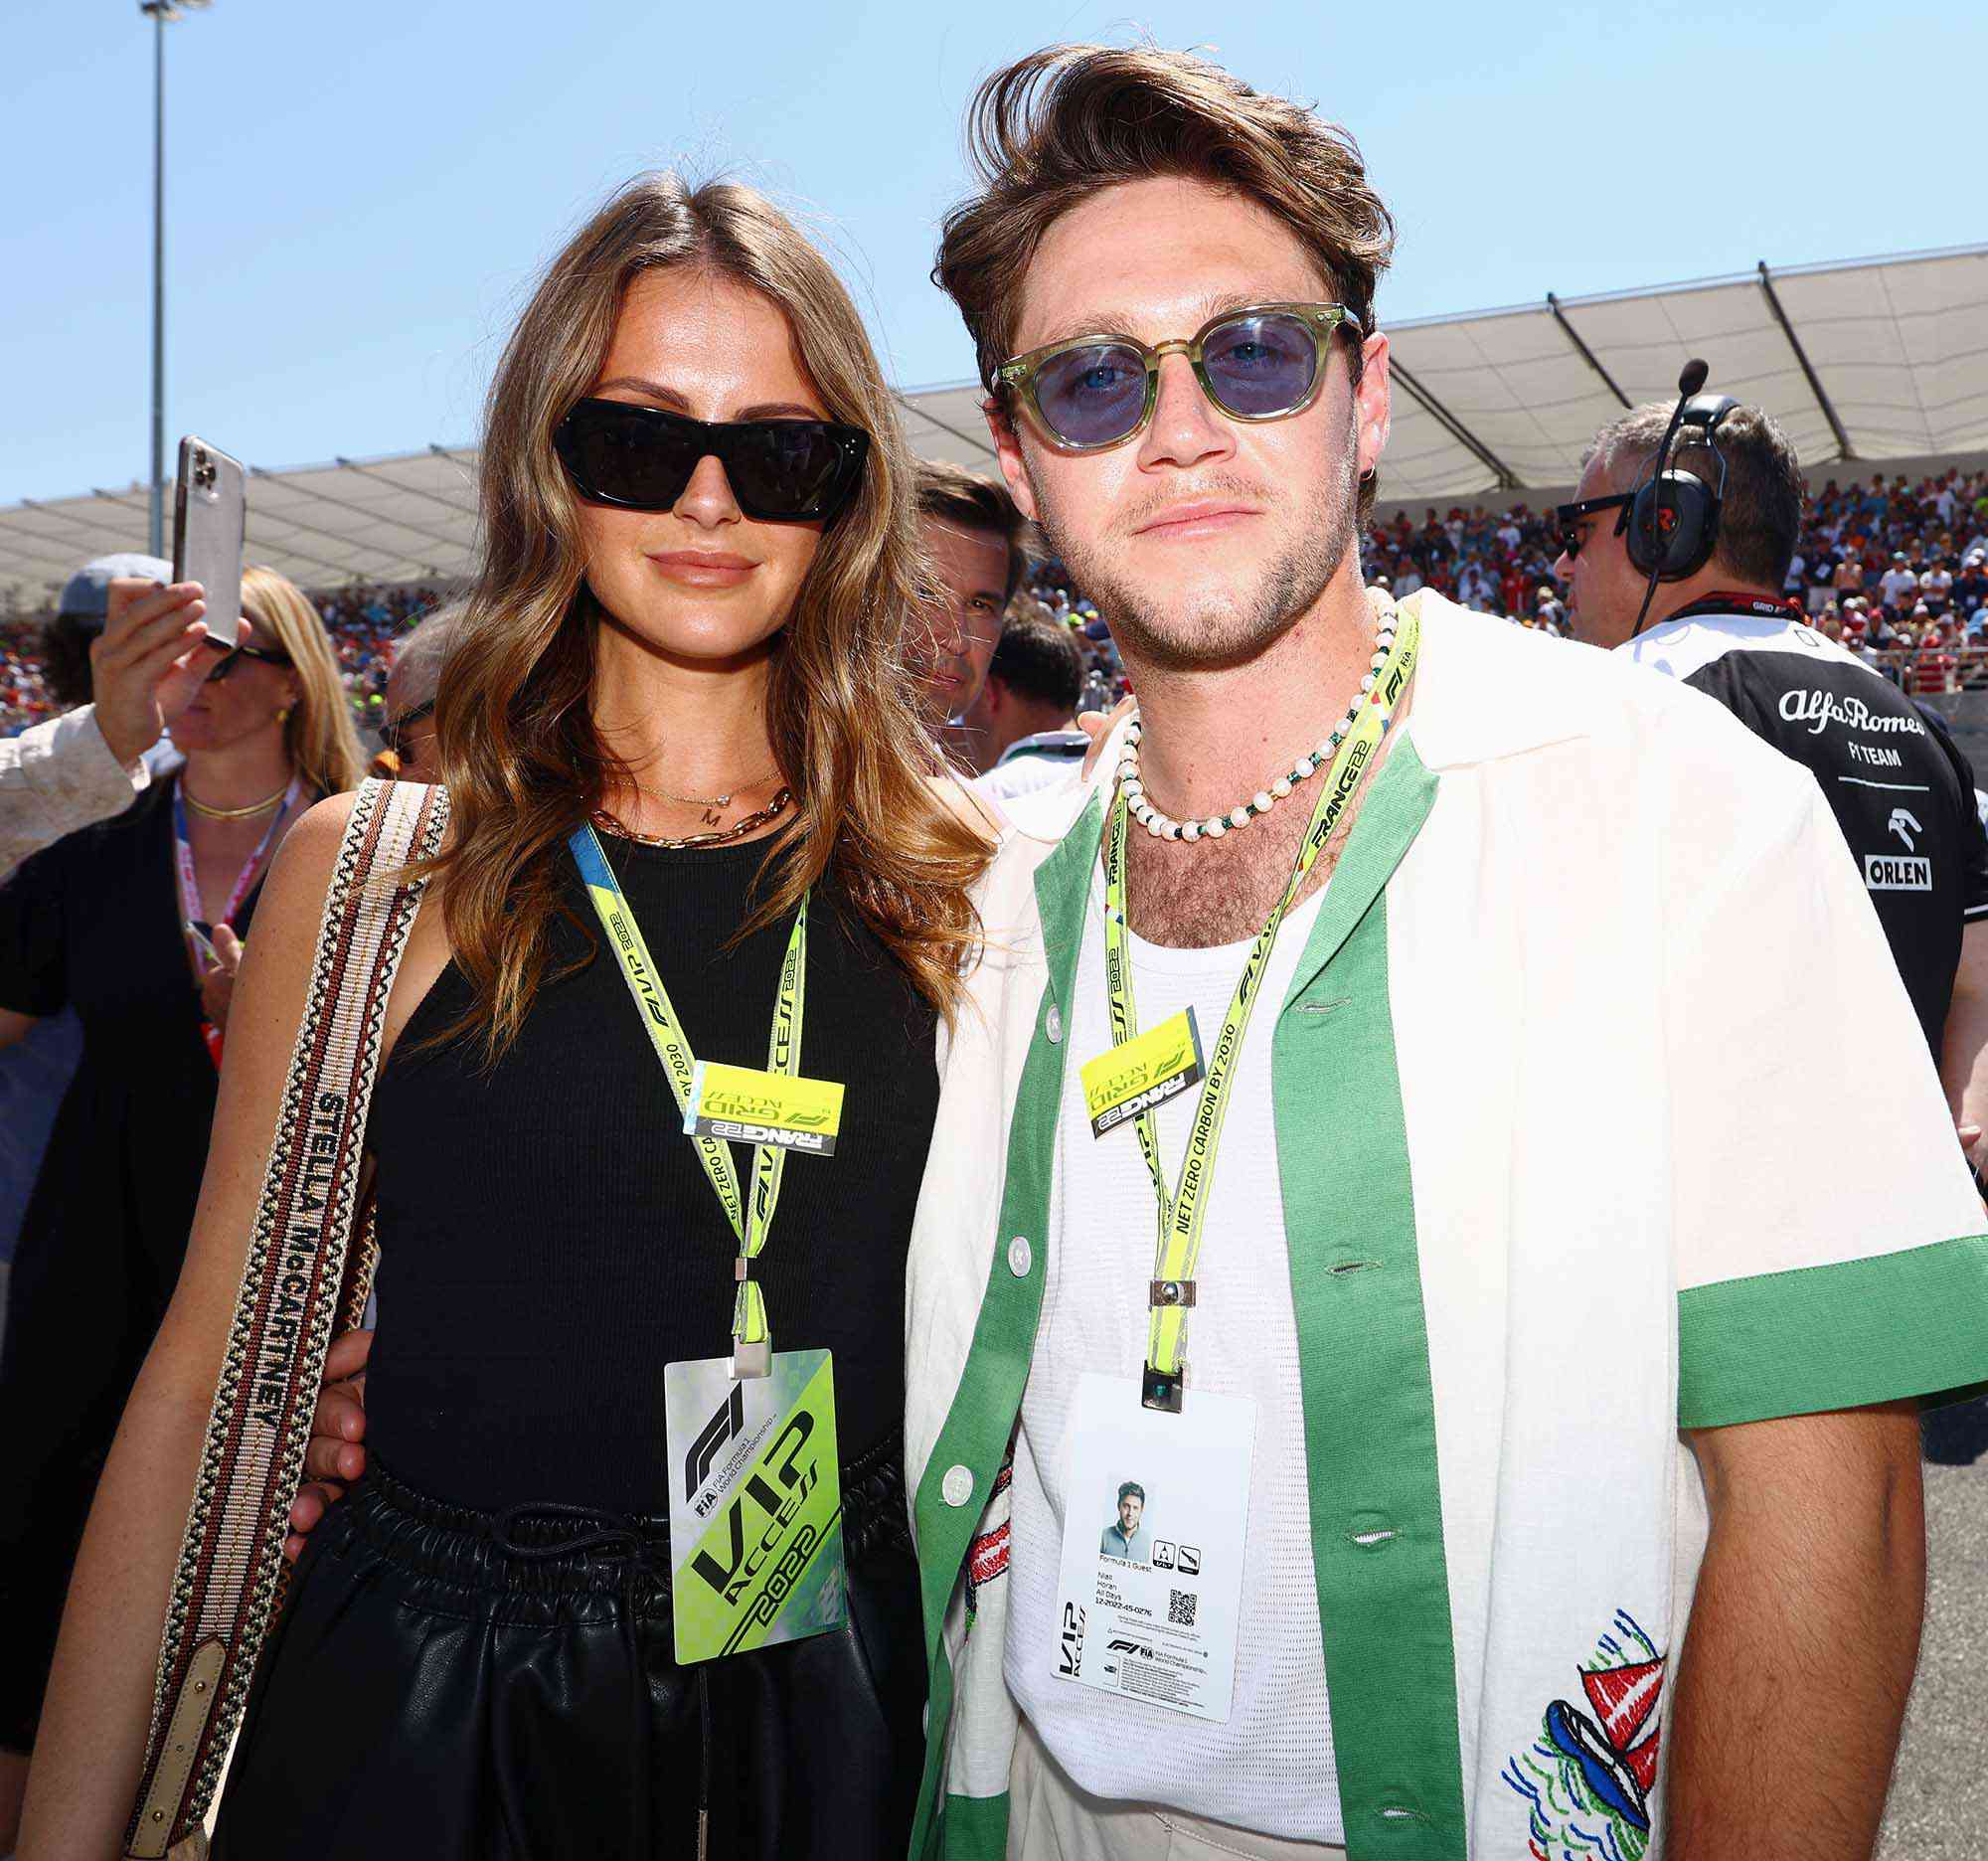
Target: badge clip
x,y
754,1360
1161,1389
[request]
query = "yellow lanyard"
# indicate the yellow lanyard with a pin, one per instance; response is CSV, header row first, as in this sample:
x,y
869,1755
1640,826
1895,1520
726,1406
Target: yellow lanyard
x,y
1181,1214
752,1222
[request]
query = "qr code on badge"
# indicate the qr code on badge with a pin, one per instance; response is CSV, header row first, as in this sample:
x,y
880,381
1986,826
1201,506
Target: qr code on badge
x,y
1180,1608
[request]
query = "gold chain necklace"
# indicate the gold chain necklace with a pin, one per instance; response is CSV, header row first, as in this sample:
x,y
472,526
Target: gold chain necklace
x,y
716,801
230,813
614,824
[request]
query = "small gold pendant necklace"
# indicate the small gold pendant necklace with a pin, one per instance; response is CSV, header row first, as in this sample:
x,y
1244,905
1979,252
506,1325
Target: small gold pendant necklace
x,y
714,805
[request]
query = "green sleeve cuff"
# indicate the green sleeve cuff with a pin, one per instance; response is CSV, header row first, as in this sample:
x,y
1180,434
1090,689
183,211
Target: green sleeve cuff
x,y
1873,1331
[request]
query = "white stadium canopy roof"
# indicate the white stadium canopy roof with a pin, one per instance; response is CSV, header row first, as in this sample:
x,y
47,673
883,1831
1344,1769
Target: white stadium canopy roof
x,y
1865,361
1873,360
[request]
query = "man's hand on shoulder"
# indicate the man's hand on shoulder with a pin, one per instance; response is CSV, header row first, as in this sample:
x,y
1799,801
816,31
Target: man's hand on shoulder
x,y
1097,726
333,1457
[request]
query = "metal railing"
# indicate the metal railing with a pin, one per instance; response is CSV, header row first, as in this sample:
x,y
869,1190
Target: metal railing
x,y
1926,672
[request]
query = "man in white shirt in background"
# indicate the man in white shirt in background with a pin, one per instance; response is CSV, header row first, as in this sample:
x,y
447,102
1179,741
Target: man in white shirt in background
x,y
1898,584
1936,585
1023,726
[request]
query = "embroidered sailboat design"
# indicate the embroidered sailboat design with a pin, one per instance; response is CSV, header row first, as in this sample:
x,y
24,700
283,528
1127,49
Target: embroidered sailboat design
x,y
1616,1750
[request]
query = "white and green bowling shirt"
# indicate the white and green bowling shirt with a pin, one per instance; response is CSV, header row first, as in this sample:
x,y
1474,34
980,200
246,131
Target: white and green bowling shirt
x,y
1596,1061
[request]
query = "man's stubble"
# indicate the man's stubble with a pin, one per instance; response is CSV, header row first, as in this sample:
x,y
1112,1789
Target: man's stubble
x,y
1212,633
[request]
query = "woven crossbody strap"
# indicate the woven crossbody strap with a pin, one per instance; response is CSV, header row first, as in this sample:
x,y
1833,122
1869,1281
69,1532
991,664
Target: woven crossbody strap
x,y
232,1556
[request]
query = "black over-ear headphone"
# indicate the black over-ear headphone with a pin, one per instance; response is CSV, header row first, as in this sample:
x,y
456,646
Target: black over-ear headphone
x,y
1673,526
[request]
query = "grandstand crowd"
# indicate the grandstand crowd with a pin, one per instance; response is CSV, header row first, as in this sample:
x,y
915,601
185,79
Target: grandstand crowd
x,y
1895,571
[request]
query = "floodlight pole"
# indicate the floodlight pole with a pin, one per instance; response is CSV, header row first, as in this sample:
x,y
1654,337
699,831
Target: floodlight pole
x,y
158,526
160,12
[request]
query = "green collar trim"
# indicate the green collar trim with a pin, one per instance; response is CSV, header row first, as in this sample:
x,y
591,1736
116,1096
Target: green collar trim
x,y
981,1419
1063,896
1363,1352
1403,794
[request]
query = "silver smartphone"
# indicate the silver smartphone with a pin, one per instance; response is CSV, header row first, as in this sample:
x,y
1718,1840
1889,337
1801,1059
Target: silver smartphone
x,y
209,512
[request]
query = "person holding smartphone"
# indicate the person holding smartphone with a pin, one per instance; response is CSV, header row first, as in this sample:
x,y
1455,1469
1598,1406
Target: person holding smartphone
x,y
675,703
120,652
137,924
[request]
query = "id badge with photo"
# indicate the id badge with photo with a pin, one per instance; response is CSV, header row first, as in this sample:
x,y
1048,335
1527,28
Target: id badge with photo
x,y
1156,1511
755,1504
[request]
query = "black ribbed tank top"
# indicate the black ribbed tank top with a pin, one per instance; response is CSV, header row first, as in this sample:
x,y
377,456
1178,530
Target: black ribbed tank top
x,y
549,1239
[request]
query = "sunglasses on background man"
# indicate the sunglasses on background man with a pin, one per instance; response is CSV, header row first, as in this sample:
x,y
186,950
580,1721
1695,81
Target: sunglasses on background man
x,y
1568,518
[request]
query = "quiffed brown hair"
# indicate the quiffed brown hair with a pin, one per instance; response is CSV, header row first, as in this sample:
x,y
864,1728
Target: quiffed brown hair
x,y
518,748
951,494
1068,121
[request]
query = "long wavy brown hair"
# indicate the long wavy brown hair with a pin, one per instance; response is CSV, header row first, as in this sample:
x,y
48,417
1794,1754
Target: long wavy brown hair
x,y
515,732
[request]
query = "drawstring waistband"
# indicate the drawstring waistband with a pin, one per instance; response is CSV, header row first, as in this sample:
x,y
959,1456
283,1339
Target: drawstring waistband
x,y
615,1532
536,1552
593,1530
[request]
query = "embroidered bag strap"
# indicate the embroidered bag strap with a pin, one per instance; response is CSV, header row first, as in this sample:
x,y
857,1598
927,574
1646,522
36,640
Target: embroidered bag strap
x,y
232,1556
361,1264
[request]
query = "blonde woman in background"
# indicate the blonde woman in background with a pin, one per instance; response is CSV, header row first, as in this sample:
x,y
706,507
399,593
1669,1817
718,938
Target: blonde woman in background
x,y
137,921
680,674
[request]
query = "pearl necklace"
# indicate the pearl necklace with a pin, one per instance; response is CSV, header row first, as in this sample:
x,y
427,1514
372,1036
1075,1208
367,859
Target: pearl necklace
x,y
1165,827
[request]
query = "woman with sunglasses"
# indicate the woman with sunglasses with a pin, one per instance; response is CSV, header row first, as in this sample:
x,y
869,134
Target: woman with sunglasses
x,y
136,922
674,702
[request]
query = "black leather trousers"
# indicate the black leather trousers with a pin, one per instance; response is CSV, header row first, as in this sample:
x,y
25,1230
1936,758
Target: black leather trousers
x,y
447,1684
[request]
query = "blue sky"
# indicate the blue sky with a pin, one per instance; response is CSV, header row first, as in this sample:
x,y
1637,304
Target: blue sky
x,y
360,193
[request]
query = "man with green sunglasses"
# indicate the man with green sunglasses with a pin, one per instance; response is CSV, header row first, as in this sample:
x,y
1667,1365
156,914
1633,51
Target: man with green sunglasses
x,y
1263,362
1292,1147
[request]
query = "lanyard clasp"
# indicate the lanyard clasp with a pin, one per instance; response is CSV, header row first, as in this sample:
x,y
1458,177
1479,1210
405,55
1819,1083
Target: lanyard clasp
x,y
1161,1389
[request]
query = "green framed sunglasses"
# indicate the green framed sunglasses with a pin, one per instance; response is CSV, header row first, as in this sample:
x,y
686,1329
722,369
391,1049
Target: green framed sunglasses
x,y
1265,362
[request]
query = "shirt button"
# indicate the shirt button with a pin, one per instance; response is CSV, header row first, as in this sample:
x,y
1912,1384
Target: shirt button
x,y
1021,1256
1052,1024
957,1486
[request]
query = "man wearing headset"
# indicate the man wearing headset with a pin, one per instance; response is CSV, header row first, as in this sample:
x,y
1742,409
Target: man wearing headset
x,y
1676,556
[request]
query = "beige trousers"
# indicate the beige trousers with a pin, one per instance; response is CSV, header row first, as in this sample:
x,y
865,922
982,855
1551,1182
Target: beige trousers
x,y
1052,1818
